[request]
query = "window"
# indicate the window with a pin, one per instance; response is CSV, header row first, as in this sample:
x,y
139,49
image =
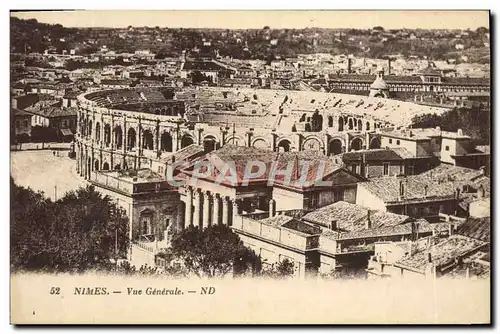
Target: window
x,y
447,148
397,142
25,123
390,141
386,169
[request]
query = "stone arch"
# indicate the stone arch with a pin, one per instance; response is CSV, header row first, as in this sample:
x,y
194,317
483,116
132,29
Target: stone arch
x,y
260,143
360,125
166,142
236,140
131,139
105,166
209,143
284,145
316,122
186,140
118,136
330,121
356,144
375,143
97,132
368,126
341,124
312,143
335,146
96,165
89,132
147,140
350,124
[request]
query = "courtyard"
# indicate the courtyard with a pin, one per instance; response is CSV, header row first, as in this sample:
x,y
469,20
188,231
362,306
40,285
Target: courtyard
x,y
43,171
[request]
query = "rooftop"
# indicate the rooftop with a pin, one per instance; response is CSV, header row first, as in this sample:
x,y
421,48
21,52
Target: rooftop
x,y
442,253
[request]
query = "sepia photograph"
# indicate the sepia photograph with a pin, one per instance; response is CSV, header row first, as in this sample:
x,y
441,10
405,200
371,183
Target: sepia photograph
x,y
163,162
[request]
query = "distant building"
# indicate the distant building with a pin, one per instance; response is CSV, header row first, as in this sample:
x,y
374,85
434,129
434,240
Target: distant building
x,y
453,148
20,124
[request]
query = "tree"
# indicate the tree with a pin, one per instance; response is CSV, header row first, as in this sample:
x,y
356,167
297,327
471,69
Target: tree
x,y
378,28
281,269
212,252
75,234
198,77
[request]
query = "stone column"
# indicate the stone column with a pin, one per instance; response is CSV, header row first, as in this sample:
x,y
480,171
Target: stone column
x,y
101,131
189,203
225,210
124,134
215,210
175,141
180,221
347,143
236,209
196,207
206,209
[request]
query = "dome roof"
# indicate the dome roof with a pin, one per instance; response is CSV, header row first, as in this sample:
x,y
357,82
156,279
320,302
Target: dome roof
x,y
380,84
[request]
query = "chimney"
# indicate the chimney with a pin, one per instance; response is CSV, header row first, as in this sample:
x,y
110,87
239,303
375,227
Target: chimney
x,y
425,190
481,192
457,192
349,65
272,208
429,257
368,224
334,225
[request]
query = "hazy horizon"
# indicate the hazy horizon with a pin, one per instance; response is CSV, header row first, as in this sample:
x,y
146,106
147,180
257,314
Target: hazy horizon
x,y
253,19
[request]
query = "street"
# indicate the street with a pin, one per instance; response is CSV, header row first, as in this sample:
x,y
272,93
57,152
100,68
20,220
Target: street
x,y
43,171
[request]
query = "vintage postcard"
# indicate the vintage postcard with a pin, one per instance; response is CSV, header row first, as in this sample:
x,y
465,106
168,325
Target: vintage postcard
x,y
250,167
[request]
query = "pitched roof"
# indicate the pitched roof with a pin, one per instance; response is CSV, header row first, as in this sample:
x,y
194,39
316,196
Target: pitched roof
x,y
19,112
442,253
306,167
352,217
441,182
383,154
476,228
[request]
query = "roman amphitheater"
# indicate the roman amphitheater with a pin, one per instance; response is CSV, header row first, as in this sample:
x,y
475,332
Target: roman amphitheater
x,y
134,128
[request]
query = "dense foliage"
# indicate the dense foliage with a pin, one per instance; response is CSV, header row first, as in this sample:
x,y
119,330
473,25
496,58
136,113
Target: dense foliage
x,y
74,234
474,122
212,252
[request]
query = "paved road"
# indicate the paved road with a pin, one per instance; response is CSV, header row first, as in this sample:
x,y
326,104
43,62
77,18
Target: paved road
x,y
43,171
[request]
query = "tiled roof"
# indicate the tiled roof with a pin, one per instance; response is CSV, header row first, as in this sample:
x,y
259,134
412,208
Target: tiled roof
x,y
476,228
396,154
19,112
352,217
423,226
299,161
442,253
441,182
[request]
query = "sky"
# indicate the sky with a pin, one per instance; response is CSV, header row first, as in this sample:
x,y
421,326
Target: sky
x,y
258,19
